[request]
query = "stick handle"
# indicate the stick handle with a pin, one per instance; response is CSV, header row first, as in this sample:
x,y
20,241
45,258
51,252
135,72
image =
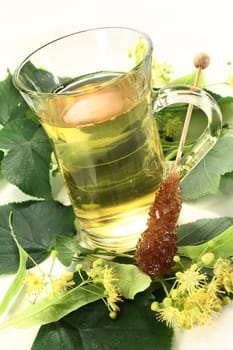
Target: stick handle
x,y
186,123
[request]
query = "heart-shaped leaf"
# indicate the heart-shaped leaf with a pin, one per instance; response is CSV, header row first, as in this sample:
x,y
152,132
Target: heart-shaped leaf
x,y
12,105
202,230
206,176
90,328
27,162
35,224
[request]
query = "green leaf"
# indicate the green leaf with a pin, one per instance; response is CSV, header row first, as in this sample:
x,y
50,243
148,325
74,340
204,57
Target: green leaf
x,y
189,79
39,79
221,246
52,308
12,105
90,328
206,176
130,279
66,247
215,95
18,278
202,230
226,106
27,163
57,336
35,224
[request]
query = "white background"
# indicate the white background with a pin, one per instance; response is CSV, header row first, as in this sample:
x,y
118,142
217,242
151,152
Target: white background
x,y
179,29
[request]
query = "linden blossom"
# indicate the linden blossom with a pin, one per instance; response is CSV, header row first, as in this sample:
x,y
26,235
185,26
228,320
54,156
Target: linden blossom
x,y
193,300
46,285
178,308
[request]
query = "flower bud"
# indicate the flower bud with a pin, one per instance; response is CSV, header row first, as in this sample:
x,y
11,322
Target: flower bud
x,y
207,258
176,259
79,267
155,306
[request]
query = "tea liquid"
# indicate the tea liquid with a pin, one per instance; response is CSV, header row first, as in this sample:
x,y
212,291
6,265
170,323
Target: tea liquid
x,y
108,151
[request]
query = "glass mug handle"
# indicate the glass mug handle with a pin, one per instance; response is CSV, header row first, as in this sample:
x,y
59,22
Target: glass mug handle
x,y
201,99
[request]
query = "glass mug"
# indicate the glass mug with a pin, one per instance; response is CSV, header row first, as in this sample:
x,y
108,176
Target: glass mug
x,y
97,107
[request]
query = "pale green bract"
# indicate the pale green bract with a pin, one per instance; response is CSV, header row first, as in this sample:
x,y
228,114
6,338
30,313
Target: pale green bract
x,y
51,309
19,276
220,246
128,279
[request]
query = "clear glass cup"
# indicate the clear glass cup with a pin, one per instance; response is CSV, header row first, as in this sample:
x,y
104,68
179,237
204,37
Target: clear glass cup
x,y
97,107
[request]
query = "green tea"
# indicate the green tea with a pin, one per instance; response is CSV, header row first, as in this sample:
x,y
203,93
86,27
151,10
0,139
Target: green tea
x,y
107,146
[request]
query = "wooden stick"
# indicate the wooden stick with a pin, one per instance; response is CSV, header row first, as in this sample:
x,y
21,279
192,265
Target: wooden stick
x,y
201,61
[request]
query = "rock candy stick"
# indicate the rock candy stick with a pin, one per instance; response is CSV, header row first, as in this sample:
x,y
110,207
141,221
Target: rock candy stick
x,y
158,243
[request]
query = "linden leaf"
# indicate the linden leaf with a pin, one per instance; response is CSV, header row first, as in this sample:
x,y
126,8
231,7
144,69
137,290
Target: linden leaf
x,y
66,247
226,105
27,162
35,224
12,105
57,335
91,328
202,230
205,178
189,79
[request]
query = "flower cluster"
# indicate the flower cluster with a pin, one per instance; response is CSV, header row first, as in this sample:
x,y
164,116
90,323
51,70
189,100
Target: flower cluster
x,y
34,283
44,284
195,298
41,285
103,274
99,273
161,71
63,283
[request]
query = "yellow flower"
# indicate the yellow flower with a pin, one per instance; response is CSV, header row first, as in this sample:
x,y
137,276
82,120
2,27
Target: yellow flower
x,y
67,276
228,283
104,275
190,279
34,283
108,277
170,315
208,305
188,310
58,286
223,270
220,267
213,286
140,50
187,316
194,300
62,284
113,298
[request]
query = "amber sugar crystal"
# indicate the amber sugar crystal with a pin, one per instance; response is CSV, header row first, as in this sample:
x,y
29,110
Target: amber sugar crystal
x,y
158,244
